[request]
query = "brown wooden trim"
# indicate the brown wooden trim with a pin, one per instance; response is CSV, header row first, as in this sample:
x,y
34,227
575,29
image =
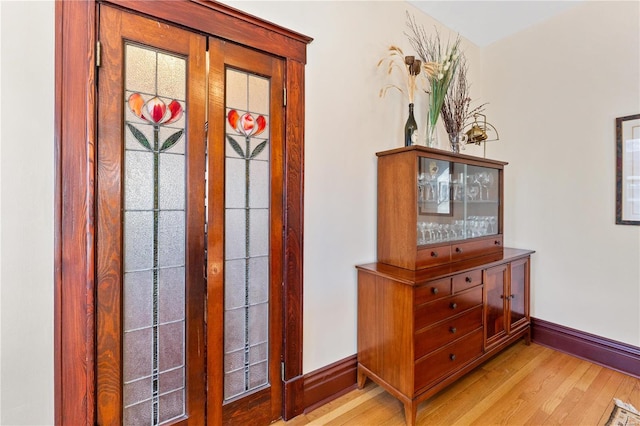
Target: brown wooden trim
x,y
57,219
293,397
599,350
307,392
74,230
446,156
293,229
330,382
224,22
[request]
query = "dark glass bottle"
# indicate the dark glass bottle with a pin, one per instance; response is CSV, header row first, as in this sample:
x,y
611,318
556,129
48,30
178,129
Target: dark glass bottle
x,y
410,129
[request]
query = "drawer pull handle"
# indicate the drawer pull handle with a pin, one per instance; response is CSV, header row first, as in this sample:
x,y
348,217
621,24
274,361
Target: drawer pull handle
x,y
452,357
502,297
513,296
434,290
458,250
497,242
434,254
453,305
468,279
453,330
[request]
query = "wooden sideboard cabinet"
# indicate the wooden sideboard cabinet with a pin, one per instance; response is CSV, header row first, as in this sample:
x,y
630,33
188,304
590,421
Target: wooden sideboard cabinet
x,y
445,297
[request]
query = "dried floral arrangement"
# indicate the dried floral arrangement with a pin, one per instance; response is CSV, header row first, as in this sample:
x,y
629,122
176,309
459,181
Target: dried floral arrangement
x,y
455,108
443,60
409,67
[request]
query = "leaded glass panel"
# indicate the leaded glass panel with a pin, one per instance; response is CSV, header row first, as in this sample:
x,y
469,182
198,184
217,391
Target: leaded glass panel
x,y
154,237
247,197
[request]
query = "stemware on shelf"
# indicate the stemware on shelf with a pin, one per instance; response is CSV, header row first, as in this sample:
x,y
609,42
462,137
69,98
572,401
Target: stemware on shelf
x,y
455,202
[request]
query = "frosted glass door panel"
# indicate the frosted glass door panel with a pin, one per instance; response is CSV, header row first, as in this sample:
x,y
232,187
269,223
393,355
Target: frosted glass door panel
x,y
247,189
154,237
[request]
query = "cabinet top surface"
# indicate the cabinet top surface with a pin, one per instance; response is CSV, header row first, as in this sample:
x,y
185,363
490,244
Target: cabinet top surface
x,y
439,152
418,276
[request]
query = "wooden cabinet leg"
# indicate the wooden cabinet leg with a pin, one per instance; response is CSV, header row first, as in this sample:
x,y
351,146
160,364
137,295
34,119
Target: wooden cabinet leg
x,y
527,337
410,409
362,378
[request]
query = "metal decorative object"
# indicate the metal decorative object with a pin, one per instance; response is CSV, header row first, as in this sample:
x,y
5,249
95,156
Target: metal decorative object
x,y
481,132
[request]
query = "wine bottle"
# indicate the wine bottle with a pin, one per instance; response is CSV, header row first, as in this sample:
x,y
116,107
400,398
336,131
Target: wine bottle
x,y
410,129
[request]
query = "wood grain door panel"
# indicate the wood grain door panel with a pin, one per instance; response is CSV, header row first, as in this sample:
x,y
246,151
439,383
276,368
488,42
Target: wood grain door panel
x,y
263,404
118,30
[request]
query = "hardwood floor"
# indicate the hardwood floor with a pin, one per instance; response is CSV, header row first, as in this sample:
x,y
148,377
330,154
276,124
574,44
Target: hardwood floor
x,y
524,385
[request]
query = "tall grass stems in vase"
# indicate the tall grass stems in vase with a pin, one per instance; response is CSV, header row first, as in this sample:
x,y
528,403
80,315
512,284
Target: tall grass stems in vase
x,y
440,65
455,108
409,68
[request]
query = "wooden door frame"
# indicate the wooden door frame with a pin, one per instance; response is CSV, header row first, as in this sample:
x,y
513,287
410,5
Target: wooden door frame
x,y
75,178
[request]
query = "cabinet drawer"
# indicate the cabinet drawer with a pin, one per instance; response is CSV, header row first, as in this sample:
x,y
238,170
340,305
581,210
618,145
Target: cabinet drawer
x,y
467,280
476,248
432,290
446,360
447,307
432,256
429,339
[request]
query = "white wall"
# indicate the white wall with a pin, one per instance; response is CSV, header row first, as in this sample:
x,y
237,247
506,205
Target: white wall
x,y
556,90
560,184
26,243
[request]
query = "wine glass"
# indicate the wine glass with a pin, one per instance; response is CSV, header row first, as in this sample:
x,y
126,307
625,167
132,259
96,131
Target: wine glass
x,y
422,227
458,225
475,228
448,231
485,180
482,227
455,185
432,177
422,182
493,224
473,191
490,181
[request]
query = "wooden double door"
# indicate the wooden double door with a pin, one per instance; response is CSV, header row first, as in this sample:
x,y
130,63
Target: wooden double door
x,y
189,227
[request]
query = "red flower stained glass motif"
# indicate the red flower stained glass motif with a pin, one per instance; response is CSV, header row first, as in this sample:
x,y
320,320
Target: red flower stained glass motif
x,y
155,110
246,124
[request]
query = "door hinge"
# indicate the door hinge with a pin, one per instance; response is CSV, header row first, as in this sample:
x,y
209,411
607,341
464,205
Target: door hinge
x,y
98,53
282,370
284,97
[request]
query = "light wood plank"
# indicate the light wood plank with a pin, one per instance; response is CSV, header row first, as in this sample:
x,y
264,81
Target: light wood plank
x,y
489,376
522,385
530,392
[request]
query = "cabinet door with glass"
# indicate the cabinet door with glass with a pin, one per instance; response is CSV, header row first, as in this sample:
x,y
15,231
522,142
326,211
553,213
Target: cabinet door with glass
x,y
456,201
437,207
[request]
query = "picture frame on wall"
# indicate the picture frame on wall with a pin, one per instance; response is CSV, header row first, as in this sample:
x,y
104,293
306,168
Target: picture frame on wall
x,y
628,170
